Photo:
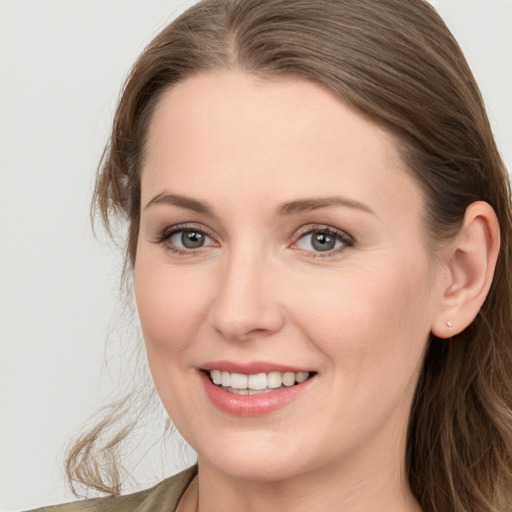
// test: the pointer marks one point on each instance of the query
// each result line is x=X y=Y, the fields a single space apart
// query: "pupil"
x=323 y=242
x=192 y=239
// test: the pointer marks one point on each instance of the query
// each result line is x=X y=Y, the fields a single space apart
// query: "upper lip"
x=250 y=368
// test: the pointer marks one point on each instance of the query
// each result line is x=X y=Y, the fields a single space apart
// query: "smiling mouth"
x=257 y=383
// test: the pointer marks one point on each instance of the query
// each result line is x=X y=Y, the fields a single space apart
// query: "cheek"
x=171 y=306
x=369 y=317
x=372 y=328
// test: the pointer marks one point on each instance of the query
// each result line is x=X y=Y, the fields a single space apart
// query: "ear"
x=470 y=260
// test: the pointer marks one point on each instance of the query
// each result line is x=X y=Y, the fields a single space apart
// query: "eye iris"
x=323 y=241
x=192 y=239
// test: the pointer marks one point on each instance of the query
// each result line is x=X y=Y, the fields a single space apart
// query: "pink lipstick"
x=253 y=389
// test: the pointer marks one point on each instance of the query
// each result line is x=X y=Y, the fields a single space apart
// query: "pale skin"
x=269 y=165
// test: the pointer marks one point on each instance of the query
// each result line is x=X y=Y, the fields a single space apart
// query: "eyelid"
x=165 y=234
x=347 y=239
x=341 y=235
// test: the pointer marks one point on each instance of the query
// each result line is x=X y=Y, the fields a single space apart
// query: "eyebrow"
x=182 y=202
x=308 y=204
x=288 y=208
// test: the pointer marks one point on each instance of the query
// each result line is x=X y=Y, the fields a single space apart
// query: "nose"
x=246 y=305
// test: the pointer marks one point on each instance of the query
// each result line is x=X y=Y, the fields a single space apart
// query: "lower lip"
x=252 y=405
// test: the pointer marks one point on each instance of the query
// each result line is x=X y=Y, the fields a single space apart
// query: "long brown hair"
x=396 y=62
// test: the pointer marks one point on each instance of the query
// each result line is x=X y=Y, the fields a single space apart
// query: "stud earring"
x=449 y=325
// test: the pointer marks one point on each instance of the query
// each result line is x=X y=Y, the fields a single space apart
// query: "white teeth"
x=289 y=379
x=239 y=381
x=256 y=382
x=301 y=377
x=216 y=376
x=226 y=379
x=248 y=391
x=274 y=380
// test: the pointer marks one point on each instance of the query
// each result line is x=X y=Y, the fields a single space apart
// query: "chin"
x=260 y=470
x=264 y=460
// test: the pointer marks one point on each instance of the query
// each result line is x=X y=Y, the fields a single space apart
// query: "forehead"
x=215 y=133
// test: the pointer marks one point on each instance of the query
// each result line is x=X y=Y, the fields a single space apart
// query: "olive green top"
x=163 y=497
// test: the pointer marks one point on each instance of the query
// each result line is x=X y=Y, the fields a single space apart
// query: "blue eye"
x=187 y=239
x=323 y=240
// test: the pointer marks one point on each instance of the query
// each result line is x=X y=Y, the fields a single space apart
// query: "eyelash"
x=340 y=236
x=168 y=232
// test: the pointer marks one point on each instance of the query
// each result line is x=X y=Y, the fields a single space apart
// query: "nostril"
x=245 y=306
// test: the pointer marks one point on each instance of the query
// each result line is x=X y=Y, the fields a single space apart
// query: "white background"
x=62 y=63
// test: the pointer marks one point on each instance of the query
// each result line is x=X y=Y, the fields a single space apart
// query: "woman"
x=319 y=235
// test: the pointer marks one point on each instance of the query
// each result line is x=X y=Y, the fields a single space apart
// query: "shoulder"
x=162 y=497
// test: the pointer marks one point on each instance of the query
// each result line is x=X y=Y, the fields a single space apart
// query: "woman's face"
x=281 y=240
